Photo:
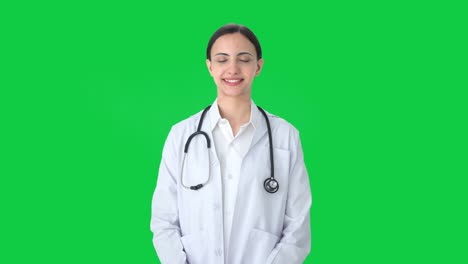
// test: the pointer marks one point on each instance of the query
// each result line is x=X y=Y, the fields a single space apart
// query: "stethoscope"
x=270 y=184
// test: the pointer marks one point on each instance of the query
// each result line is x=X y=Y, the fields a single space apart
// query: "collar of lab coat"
x=256 y=118
x=215 y=116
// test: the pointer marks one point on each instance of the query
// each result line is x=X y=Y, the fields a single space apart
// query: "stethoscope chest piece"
x=271 y=185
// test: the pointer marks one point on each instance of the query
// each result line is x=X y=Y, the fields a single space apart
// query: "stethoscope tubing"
x=270 y=184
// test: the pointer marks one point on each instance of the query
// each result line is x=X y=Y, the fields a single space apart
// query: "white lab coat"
x=267 y=227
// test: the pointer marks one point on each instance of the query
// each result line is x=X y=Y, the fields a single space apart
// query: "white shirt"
x=231 y=150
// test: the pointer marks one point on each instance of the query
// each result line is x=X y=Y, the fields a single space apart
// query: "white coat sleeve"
x=164 y=216
x=295 y=242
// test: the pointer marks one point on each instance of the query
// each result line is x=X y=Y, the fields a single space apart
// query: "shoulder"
x=280 y=124
x=187 y=125
x=286 y=135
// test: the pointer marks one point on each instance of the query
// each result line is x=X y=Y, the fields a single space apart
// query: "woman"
x=237 y=190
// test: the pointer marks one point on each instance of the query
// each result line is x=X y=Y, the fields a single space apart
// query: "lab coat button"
x=216 y=206
x=218 y=252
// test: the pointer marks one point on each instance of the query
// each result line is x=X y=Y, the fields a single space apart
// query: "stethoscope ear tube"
x=196 y=187
x=187 y=144
x=208 y=142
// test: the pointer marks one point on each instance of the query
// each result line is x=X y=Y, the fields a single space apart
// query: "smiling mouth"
x=232 y=82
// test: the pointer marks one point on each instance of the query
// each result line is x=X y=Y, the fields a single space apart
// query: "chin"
x=234 y=92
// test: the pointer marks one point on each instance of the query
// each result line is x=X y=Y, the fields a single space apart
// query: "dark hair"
x=230 y=29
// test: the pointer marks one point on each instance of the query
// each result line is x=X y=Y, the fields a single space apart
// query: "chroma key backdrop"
x=90 y=89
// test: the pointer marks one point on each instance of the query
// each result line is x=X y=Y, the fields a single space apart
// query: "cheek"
x=213 y=73
x=216 y=71
x=252 y=72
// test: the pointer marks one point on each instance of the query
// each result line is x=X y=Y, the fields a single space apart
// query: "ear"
x=259 y=66
x=208 y=65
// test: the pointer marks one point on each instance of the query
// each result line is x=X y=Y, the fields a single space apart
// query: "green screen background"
x=377 y=89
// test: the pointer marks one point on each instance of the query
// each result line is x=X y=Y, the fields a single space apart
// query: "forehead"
x=233 y=43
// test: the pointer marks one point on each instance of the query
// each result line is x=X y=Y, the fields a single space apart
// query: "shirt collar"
x=215 y=116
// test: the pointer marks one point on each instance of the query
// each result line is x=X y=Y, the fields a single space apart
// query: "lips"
x=233 y=81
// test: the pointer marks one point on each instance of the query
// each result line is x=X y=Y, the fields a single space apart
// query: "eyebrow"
x=238 y=54
x=244 y=53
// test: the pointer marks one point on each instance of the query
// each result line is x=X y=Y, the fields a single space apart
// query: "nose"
x=233 y=68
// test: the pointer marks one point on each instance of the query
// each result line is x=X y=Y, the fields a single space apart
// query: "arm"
x=165 y=217
x=295 y=242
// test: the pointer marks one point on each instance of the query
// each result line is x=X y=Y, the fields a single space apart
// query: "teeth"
x=232 y=81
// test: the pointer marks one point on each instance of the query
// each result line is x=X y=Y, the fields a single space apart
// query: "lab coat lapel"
x=208 y=124
x=260 y=125
x=259 y=133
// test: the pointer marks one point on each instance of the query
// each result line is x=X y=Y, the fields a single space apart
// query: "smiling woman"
x=245 y=200
x=235 y=65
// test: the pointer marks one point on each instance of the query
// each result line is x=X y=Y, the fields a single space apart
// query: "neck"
x=235 y=110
